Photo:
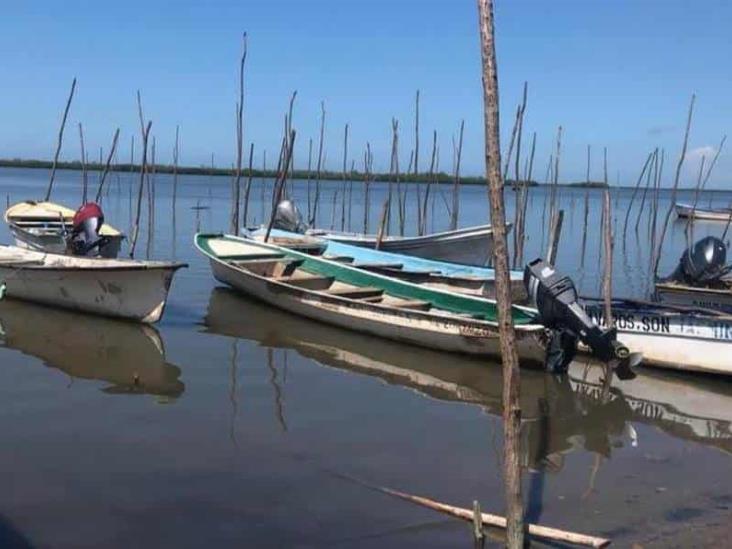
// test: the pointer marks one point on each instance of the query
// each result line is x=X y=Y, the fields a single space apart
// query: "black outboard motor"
x=703 y=264
x=288 y=218
x=85 y=238
x=555 y=297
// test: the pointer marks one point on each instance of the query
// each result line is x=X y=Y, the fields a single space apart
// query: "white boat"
x=129 y=358
x=469 y=245
x=124 y=288
x=670 y=337
x=338 y=294
x=708 y=214
x=698 y=297
x=44 y=226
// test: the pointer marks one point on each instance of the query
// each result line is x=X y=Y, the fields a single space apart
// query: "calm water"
x=233 y=425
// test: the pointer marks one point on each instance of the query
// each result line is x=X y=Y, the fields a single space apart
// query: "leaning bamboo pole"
x=60 y=141
x=343 y=177
x=368 y=160
x=248 y=188
x=289 y=144
x=509 y=355
x=107 y=164
x=649 y=176
x=430 y=182
x=680 y=163
x=586 y=210
x=145 y=132
x=84 y=178
x=316 y=199
x=635 y=192
x=235 y=221
x=456 y=180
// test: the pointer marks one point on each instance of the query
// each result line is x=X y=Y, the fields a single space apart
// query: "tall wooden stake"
x=509 y=354
x=248 y=188
x=84 y=178
x=60 y=140
x=682 y=156
x=344 y=183
x=314 y=217
x=145 y=130
x=456 y=184
x=235 y=221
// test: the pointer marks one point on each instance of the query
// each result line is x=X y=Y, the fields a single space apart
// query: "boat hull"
x=688 y=211
x=424 y=329
x=674 y=340
x=689 y=296
x=471 y=245
x=123 y=289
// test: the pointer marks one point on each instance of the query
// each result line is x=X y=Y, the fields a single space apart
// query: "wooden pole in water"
x=608 y=252
x=382 y=224
x=248 y=188
x=176 y=158
x=367 y=163
x=649 y=176
x=416 y=135
x=84 y=179
x=524 y=193
x=635 y=192
x=313 y=219
x=456 y=184
x=675 y=187
x=145 y=130
x=689 y=229
x=60 y=141
x=509 y=354
x=343 y=177
x=235 y=221
x=556 y=226
x=587 y=209
x=430 y=182
x=110 y=156
x=282 y=180
x=310 y=174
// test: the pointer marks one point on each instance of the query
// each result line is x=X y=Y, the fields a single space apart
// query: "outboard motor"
x=703 y=264
x=85 y=236
x=555 y=297
x=288 y=218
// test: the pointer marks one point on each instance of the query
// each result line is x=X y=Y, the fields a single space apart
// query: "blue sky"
x=616 y=74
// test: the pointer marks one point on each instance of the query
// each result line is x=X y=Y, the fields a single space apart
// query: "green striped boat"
x=298 y=280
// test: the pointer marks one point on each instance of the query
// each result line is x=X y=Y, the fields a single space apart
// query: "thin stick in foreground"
x=235 y=221
x=509 y=354
x=497 y=521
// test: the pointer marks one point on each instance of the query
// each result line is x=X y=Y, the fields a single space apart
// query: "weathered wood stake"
x=60 y=141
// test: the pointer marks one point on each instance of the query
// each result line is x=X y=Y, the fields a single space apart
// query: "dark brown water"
x=235 y=425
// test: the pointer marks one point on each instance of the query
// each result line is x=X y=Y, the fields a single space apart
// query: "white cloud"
x=697 y=153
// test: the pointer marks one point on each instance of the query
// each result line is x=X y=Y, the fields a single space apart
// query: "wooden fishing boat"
x=707 y=214
x=558 y=412
x=371 y=303
x=128 y=357
x=679 y=338
x=427 y=272
x=135 y=290
x=469 y=245
x=44 y=226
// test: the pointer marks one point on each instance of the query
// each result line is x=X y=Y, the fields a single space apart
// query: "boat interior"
x=289 y=265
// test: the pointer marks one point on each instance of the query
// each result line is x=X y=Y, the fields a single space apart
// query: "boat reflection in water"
x=560 y=413
x=130 y=357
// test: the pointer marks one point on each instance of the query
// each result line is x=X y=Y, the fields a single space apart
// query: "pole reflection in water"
x=129 y=357
x=562 y=414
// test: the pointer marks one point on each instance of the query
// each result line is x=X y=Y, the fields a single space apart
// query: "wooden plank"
x=339 y=258
x=310 y=282
x=416 y=304
x=357 y=293
x=378 y=265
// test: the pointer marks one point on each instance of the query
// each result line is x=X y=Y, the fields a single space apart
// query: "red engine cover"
x=88 y=211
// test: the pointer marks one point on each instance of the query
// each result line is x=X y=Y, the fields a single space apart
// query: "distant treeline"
x=440 y=177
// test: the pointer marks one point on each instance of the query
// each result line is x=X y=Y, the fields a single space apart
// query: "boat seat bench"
x=308 y=281
x=357 y=292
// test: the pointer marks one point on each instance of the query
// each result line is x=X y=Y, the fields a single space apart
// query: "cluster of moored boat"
x=410 y=289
